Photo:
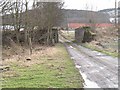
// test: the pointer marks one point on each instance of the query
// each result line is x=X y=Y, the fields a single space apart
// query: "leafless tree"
x=36 y=22
x=53 y=14
x=48 y=15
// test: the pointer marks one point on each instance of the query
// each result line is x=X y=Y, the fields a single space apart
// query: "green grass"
x=69 y=35
x=114 y=54
x=60 y=72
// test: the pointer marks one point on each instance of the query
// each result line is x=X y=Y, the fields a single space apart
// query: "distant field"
x=70 y=35
x=48 y=68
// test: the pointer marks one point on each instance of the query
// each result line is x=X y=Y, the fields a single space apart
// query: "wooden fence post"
x=30 y=45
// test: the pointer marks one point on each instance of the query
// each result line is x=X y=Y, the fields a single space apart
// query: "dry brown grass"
x=19 y=55
x=106 y=33
x=9 y=74
x=48 y=67
x=106 y=40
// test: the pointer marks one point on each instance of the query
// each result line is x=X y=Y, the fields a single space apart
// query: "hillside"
x=111 y=13
x=73 y=16
x=84 y=16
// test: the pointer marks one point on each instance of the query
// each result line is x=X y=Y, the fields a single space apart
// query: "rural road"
x=98 y=70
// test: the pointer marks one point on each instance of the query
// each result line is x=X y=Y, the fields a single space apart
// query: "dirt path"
x=98 y=70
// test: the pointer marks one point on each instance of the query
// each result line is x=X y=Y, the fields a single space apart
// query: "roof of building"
x=78 y=25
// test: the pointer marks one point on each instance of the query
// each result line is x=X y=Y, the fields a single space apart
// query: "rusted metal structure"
x=79 y=34
x=84 y=34
x=55 y=35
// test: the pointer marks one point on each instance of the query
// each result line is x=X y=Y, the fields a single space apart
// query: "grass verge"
x=114 y=54
x=51 y=71
x=106 y=51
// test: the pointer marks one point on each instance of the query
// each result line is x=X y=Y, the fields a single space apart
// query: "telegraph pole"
x=115 y=12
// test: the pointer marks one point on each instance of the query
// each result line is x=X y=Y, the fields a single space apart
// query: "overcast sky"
x=94 y=5
x=89 y=4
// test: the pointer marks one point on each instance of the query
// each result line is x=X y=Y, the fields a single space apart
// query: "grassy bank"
x=109 y=48
x=51 y=68
x=114 y=54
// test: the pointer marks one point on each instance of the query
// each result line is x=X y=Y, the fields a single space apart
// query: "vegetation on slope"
x=48 y=68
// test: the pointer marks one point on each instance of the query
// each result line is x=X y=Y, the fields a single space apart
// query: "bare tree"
x=6 y=9
x=48 y=15
x=53 y=14
x=42 y=17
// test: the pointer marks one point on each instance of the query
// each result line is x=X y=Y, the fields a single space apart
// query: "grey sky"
x=90 y=4
x=87 y=4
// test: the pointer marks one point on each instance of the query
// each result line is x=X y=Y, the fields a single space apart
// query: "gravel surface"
x=98 y=70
